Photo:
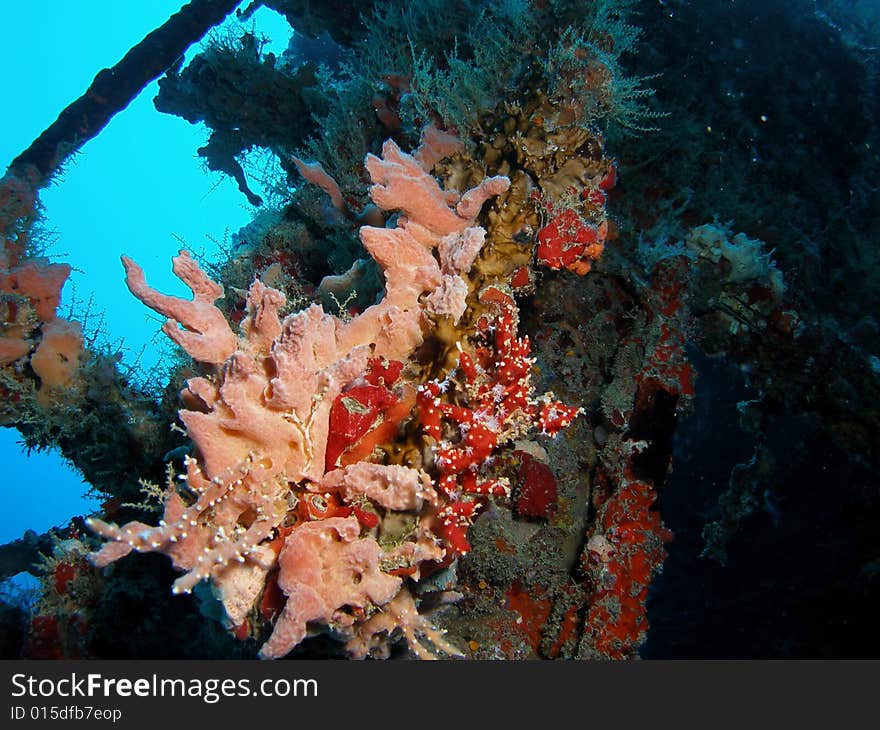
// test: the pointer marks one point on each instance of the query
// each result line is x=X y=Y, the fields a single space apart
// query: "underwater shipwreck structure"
x=427 y=403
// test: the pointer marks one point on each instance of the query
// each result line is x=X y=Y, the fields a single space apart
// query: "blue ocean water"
x=137 y=189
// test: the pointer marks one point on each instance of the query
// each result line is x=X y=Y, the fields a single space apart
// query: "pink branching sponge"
x=272 y=495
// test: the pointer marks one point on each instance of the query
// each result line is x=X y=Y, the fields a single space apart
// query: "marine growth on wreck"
x=520 y=359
